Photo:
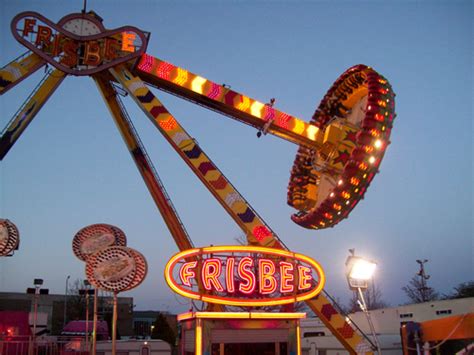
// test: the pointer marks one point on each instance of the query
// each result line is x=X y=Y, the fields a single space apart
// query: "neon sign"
x=78 y=44
x=244 y=275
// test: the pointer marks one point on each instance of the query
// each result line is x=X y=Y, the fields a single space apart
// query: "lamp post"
x=423 y=278
x=94 y=325
x=65 y=301
x=36 y=291
x=358 y=272
x=87 y=291
x=37 y=283
x=114 y=324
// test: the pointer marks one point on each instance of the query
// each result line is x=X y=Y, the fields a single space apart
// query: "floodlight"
x=359 y=271
x=362 y=269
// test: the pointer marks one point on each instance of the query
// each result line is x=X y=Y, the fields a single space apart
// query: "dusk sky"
x=70 y=167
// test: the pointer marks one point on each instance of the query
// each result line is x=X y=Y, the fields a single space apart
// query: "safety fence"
x=23 y=345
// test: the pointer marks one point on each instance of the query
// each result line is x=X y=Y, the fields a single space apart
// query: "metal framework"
x=340 y=149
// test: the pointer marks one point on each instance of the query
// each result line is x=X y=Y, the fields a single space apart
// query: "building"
x=143 y=322
x=50 y=312
x=317 y=339
x=135 y=347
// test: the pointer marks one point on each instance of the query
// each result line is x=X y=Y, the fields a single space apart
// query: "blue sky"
x=70 y=167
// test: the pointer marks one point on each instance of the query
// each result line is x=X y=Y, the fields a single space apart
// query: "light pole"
x=87 y=291
x=114 y=325
x=358 y=272
x=36 y=291
x=65 y=301
x=37 y=283
x=94 y=325
x=423 y=278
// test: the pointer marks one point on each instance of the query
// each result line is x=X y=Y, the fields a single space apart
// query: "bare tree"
x=419 y=293
x=76 y=302
x=463 y=290
x=353 y=305
x=417 y=289
x=373 y=299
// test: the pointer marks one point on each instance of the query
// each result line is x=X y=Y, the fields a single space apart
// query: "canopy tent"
x=81 y=327
x=452 y=328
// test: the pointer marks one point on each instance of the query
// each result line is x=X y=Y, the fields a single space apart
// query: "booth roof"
x=79 y=327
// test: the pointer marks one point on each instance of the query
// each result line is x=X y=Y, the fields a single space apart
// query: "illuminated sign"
x=78 y=44
x=244 y=275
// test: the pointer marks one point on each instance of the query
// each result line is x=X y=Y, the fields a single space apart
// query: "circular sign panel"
x=9 y=237
x=141 y=269
x=111 y=269
x=96 y=237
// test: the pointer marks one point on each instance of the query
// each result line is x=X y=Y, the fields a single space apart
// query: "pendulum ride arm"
x=18 y=69
x=146 y=168
x=180 y=82
x=144 y=165
x=29 y=109
x=256 y=229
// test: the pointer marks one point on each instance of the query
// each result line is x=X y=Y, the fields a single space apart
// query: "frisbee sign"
x=244 y=275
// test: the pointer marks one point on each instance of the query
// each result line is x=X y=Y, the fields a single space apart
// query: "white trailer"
x=134 y=347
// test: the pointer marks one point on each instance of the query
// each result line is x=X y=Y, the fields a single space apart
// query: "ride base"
x=236 y=333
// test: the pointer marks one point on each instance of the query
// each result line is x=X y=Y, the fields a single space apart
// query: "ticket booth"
x=242 y=276
x=239 y=333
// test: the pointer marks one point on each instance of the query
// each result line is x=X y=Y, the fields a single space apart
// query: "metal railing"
x=51 y=345
x=26 y=102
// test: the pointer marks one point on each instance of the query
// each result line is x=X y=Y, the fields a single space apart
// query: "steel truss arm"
x=146 y=168
x=29 y=109
x=18 y=69
x=222 y=99
x=239 y=209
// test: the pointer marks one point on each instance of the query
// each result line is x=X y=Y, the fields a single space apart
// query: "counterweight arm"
x=222 y=99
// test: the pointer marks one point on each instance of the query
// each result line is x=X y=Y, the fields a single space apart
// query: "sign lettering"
x=78 y=44
x=244 y=275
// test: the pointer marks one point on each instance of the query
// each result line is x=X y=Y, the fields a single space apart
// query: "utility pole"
x=423 y=278
x=65 y=302
x=36 y=292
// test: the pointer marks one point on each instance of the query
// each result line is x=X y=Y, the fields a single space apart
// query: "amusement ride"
x=340 y=148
